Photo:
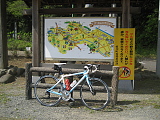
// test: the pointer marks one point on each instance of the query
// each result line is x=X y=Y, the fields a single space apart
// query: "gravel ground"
x=13 y=105
x=129 y=107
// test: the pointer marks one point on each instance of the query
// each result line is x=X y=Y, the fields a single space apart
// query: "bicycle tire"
x=41 y=94
x=101 y=96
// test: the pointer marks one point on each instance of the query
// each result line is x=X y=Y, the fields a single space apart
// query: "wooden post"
x=3 y=36
x=125 y=13
x=158 y=47
x=42 y=39
x=36 y=33
x=28 y=76
x=114 y=85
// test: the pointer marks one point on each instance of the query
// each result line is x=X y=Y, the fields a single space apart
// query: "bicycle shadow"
x=78 y=104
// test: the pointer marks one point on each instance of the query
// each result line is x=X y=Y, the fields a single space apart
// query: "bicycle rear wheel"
x=42 y=95
x=99 y=98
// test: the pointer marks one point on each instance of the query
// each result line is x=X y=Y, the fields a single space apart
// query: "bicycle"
x=94 y=93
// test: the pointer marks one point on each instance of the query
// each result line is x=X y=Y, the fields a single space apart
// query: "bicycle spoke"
x=99 y=98
x=42 y=95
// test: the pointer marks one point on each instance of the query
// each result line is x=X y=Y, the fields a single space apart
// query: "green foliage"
x=21 y=35
x=16 y=7
x=146 y=53
x=147 y=37
x=15 y=17
x=146 y=25
x=15 y=44
x=23 y=40
x=25 y=36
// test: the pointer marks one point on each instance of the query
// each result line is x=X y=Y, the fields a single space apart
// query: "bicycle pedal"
x=47 y=93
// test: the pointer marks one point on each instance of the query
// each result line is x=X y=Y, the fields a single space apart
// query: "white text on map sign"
x=84 y=38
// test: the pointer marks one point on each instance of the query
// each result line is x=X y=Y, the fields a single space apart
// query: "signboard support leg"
x=126 y=85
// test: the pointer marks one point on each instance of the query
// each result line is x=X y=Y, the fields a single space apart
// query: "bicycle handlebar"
x=92 y=68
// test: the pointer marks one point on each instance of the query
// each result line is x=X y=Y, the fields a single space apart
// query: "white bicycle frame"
x=85 y=76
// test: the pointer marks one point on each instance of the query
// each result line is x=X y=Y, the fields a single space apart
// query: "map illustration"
x=69 y=36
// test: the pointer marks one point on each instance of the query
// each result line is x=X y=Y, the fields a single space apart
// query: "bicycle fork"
x=90 y=86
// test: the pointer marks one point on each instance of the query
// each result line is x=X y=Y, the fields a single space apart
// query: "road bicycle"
x=94 y=93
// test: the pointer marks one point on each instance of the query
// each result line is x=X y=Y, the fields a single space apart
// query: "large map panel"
x=79 y=38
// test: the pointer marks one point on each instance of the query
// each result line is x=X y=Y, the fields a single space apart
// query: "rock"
x=10 y=66
x=13 y=70
x=139 y=65
x=20 y=71
x=2 y=72
x=7 y=78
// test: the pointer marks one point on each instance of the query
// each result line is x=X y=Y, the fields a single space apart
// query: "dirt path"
x=130 y=107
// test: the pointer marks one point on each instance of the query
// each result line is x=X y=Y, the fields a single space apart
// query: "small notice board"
x=124 y=52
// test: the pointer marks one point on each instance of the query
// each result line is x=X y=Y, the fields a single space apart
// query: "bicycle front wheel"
x=42 y=95
x=97 y=97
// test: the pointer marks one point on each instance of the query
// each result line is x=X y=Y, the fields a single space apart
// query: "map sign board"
x=80 y=38
x=124 y=49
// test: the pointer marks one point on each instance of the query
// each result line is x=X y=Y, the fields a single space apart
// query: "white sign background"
x=52 y=52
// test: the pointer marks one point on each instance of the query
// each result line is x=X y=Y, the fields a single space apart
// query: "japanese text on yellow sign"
x=124 y=52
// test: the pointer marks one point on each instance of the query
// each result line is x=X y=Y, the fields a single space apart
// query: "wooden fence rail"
x=114 y=82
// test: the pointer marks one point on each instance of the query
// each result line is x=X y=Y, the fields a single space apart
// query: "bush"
x=20 y=41
x=20 y=36
x=146 y=34
x=25 y=36
x=14 y=44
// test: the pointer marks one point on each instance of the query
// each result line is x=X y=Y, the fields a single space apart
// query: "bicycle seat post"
x=57 y=66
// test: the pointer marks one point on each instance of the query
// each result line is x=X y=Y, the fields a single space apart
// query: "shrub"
x=14 y=44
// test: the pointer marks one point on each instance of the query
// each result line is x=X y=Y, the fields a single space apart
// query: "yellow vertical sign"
x=124 y=52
